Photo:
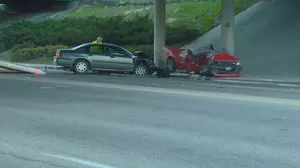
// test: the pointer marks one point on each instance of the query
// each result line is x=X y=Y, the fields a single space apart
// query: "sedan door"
x=98 y=60
x=120 y=59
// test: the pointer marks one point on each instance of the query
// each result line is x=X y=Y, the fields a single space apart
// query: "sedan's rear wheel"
x=141 y=70
x=81 y=66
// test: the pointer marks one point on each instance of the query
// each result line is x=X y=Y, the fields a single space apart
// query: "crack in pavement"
x=32 y=160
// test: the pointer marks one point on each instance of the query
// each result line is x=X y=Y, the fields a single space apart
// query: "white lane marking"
x=238 y=97
x=288 y=85
x=254 y=82
x=236 y=81
x=268 y=80
x=79 y=161
x=62 y=86
x=5 y=144
x=208 y=94
x=46 y=87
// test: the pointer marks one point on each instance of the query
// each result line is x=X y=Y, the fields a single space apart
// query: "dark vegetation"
x=29 y=6
x=33 y=40
x=44 y=37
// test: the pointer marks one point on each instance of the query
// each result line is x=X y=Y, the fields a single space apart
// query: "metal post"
x=159 y=32
x=46 y=68
x=227 y=25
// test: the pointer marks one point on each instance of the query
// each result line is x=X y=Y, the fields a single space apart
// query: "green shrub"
x=3 y=43
x=25 y=54
x=74 y=31
x=147 y=49
x=23 y=45
x=2 y=46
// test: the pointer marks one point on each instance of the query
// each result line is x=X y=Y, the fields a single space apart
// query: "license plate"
x=228 y=68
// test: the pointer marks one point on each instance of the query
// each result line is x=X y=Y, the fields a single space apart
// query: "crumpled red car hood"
x=224 y=57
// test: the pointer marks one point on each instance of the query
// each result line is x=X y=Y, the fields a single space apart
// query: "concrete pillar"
x=227 y=25
x=159 y=32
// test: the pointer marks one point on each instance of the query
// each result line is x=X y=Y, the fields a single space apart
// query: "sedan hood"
x=140 y=54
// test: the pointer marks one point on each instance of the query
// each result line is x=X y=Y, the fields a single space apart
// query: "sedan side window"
x=115 y=51
x=96 y=49
x=82 y=49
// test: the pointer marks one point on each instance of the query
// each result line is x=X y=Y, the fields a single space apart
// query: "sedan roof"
x=87 y=44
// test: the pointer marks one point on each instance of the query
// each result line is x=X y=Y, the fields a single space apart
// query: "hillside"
x=204 y=16
x=266 y=39
x=205 y=13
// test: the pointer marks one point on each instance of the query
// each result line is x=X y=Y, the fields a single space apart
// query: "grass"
x=98 y=10
x=196 y=15
x=42 y=60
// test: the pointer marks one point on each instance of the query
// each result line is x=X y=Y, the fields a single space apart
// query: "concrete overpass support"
x=227 y=29
x=159 y=32
x=227 y=25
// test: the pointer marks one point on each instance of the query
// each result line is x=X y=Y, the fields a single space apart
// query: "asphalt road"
x=55 y=122
x=288 y=90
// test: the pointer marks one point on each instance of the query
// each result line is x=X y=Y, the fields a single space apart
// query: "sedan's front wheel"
x=171 y=65
x=141 y=70
x=81 y=66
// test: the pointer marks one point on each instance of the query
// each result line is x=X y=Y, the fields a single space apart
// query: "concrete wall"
x=267 y=38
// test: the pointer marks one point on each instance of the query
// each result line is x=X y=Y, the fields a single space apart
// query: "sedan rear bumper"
x=62 y=62
x=223 y=71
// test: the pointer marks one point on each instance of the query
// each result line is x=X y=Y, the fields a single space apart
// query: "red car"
x=209 y=62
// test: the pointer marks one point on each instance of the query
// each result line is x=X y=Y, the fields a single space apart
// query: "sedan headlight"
x=238 y=63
